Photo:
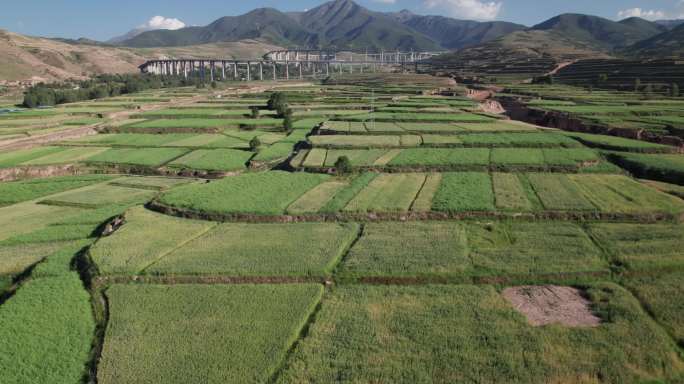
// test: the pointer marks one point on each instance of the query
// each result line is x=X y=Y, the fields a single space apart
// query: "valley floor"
x=458 y=246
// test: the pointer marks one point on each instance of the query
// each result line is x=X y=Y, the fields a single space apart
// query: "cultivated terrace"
x=361 y=229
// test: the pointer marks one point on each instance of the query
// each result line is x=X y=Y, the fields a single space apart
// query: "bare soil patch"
x=552 y=304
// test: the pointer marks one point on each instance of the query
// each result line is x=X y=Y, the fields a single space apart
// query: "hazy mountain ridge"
x=667 y=44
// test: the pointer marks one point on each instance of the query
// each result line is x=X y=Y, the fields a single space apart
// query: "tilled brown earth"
x=552 y=304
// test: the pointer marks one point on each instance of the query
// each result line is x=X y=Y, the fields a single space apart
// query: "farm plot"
x=357 y=157
x=27 y=217
x=614 y=143
x=459 y=252
x=145 y=238
x=408 y=334
x=526 y=140
x=442 y=157
x=18 y=191
x=526 y=250
x=293 y=250
x=559 y=193
x=166 y=333
x=149 y=182
x=318 y=197
x=151 y=157
x=273 y=153
x=344 y=196
x=16 y=158
x=385 y=127
x=420 y=117
x=268 y=193
x=131 y=139
x=52 y=233
x=411 y=249
x=510 y=193
x=198 y=125
x=497 y=127
x=194 y=113
x=667 y=168
x=423 y=202
x=364 y=141
x=99 y=195
x=70 y=155
x=640 y=246
x=208 y=141
x=213 y=160
x=46 y=330
x=661 y=295
x=466 y=191
x=14 y=259
x=388 y=193
x=620 y=194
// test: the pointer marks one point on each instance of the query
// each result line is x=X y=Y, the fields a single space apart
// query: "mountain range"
x=343 y=24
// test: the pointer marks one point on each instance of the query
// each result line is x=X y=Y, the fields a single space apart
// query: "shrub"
x=254 y=144
x=255 y=111
x=287 y=123
x=343 y=166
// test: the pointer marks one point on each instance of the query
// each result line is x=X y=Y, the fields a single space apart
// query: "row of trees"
x=279 y=102
x=98 y=87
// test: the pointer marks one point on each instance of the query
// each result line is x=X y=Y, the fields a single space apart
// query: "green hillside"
x=667 y=44
x=455 y=34
x=265 y=23
x=599 y=32
x=340 y=23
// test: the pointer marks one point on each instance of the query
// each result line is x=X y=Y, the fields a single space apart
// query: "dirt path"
x=559 y=67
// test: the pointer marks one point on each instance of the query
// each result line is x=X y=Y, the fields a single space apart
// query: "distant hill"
x=455 y=34
x=598 y=32
x=670 y=24
x=530 y=52
x=265 y=24
x=666 y=44
x=345 y=24
x=340 y=23
x=41 y=59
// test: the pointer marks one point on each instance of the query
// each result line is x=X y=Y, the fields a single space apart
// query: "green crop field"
x=468 y=191
x=306 y=249
x=183 y=239
x=412 y=331
x=141 y=243
x=152 y=157
x=47 y=330
x=18 y=191
x=267 y=193
x=213 y=160
x=155 y=322
x=388 y=192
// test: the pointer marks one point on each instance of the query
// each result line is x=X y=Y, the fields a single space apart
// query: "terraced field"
x=414 y=239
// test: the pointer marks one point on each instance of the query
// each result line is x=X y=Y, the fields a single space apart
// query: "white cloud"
x=161 y=22
x=648 y=14
x=386 y=1
x=468 y=9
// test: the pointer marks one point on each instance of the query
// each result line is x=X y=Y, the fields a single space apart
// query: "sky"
x=104 y=19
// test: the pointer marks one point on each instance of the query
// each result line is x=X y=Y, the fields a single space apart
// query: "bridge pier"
x=313 y=63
